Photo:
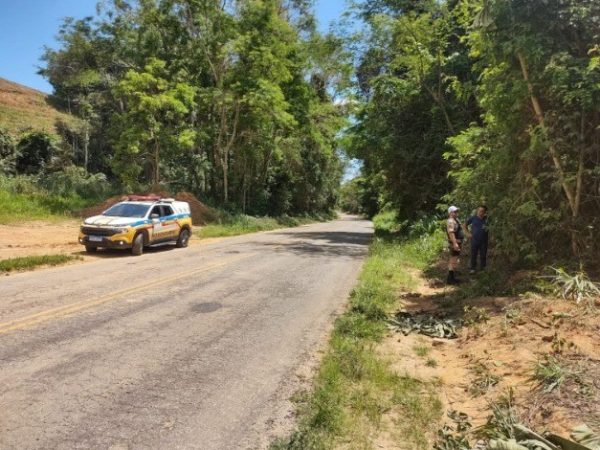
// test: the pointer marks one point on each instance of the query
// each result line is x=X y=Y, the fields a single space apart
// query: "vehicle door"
x=156 y=232
x=169 y=223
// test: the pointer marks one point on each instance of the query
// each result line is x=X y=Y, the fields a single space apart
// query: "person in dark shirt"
x=477 y=229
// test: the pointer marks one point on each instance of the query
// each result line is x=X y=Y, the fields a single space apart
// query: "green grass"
x=243 y=224
x=30 y=262
x=18 y=207
x=50 y=197
x=386 y=223
x=355 y=385
x=421 y=350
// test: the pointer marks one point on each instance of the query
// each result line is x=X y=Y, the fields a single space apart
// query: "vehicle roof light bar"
x=148 y=198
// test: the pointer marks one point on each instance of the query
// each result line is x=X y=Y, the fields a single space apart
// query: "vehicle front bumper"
x=106 y=242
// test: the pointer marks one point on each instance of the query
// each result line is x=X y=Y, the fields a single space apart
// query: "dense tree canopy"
x=443 y=101
x=232 y=100
x=491 y=101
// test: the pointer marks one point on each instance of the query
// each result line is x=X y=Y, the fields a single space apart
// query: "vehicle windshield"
x=126 y=210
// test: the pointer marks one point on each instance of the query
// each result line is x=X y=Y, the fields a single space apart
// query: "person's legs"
x=474 y=250
x=483 y=254
x=452 y=265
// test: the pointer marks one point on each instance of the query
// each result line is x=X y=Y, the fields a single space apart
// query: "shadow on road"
x=105 y=253
x=324 y=243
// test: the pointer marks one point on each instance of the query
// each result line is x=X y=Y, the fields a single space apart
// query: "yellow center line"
x=61 y=311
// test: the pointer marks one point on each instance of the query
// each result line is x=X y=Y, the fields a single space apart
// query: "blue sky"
x=26 y=26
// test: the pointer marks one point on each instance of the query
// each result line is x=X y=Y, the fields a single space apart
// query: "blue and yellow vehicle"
x=137 y=223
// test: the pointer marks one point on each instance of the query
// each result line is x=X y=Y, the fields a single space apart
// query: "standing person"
x=455 y=237
x=478 y=233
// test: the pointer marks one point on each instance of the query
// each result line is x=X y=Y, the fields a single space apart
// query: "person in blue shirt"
x=477 y=229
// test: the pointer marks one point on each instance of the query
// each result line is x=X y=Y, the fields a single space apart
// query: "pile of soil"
x=98 y=209
x=201 y=214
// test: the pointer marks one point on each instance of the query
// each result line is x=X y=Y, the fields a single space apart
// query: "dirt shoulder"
x=45 y=238
x=541 y=352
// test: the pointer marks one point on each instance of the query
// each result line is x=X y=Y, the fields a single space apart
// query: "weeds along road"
x=179 y=348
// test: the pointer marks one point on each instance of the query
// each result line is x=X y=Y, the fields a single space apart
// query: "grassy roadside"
x=22 y=207
x=355 y=385
x=243 y=224
x=31 y=262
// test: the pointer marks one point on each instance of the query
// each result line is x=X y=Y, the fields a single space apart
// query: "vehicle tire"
x=137 y=248
x=90 y=249
x=184 y=238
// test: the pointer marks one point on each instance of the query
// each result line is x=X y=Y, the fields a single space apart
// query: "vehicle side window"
x=167 y=210
x=155 y=210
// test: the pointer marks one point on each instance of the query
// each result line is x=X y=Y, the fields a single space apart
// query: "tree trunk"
x=539 y=114
x=86 y=145
x=156 y=177
x=573 y=197
x=225 y=166
x=440 y=102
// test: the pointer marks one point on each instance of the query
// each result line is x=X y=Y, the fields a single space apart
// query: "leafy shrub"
x=76 y=180
x=386 y=222
x=34 y=150
x=575 y=287
x=8 y=148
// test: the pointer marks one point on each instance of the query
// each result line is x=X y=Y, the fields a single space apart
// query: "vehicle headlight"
x=121 y=230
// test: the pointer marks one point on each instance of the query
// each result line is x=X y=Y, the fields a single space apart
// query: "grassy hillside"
x=22 y=107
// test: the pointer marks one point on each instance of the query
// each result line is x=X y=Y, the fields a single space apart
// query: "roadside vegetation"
x=31 y=262
x=483 y=101
x=356 y=385
x=52 y=196
x=513 y=352
x=233 y=225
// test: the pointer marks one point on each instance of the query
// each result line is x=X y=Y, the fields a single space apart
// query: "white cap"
x=452 y=209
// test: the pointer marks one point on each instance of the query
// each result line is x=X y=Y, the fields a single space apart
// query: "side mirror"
x=154 y=216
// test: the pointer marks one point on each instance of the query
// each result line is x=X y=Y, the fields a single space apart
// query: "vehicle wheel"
x=90 y=249
x=184 y=238
x=138 y=245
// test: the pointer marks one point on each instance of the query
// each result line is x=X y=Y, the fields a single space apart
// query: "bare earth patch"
x=45 y=238
x=500 y=351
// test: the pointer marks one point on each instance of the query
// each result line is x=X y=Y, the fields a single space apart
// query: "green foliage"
x=454 y=437
x=415 y=83
x=483 y=101
x=577 y=287
x=421 y=350
x=534 y=168
x=355 y=385
x=551 y=373
x=75 y=180
x=243 y=224
x=349 y=197
x=52 y=196
x=8 y=148
x=152 y=123
x=386 y=223
x=30 y=262
x=229 y=100
x=34 y=150
x=483 y=379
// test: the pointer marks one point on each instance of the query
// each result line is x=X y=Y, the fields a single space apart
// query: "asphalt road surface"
x=196 y=348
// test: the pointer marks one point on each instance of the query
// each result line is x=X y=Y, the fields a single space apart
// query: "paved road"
x=195 y=348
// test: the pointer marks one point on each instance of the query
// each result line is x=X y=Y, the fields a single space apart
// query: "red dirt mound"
x=98 y=209
x=201 y=214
